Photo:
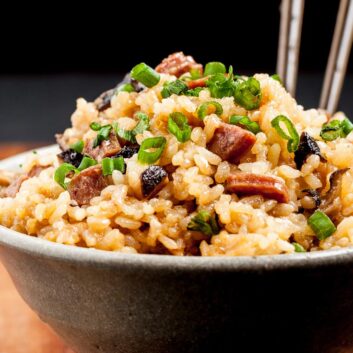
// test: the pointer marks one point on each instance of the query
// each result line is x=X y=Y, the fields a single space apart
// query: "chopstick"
x=289 y=42
x=338 y=58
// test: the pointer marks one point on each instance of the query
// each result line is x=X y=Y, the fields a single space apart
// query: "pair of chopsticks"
x=289 y=45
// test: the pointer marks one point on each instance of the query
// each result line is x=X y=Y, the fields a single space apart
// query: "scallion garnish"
x=103 y=134
x=178 y=125
x=77 y=146
x=125 y=87
x=194 y=92
x=245 y=122
x=95 y=126
x=335 y=129
x=156 y=144
x=175 y=87
x=130 y=135
x=203 y=222
x=321 y=224
x=277 y=78
x=214 y=67
x=86 y=163
x=298 y=247
x=111 y=164
x=292 y=135
x=61 y=173
x=247 y=93
x=145 y=74
x=208 y=108
x=220 y=85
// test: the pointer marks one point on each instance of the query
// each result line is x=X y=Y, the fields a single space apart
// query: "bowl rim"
x=101 y=258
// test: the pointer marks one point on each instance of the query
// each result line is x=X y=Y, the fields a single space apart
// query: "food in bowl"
x=187 y=159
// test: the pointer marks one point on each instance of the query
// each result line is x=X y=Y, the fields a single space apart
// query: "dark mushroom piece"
x=71 y=156
x=153 y=179
x=128 y=151
x=331 y=203
x=307 y=147
x=103 y=101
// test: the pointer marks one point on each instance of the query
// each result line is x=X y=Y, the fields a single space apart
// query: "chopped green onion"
x=130 y=135
x=248 y=93
x=214 y=67
x=125 y=87
x=245 y=123
x=103 y=134
x=347 y=126
x=298 y=247
x=277 y=78
x=157 y=144
x=124 y=134
x=142 y=125
x=111 y=164
x=292 y=136
x=335 y=129
x=203 y=222
x=86 y=163
x=220 y=85
x=34 y=152
x=95 y=126
x=61 y=173
x=321 y=224
x=331 y=131
x=208 y=108
x=77 y=146
x=178 y=125
x=175 y=87
x=194 y=92
x=145 y=74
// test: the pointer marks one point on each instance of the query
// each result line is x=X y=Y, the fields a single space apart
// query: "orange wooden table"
x=21 y=331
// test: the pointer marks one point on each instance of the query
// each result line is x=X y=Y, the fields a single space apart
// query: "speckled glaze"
x=114 y=303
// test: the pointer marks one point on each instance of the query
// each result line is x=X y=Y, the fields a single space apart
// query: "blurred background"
x=58 y=54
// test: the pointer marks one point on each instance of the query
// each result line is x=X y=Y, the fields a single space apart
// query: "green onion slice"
x=130 y=135
x=194 y=92
x=208 y=108
x=298 y=247
x=321 y=224
x=247 y=93
x=214 y=67
x=61 y=173
x=220 y=85
x=276 y=77
x=203 y=222
x=175 y=87
x=178 y=125
x=156 y=144
x=86 y=163
x=111 y=164
x=142 y=125
x=245 y=122
x=292 y=136
x=95 y=126
x=335 y=129
x=125 y=87
x=77 y=146
x=103 y=134
x=145 y=74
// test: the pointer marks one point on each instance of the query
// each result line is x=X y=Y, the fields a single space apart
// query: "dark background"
x=56 y=54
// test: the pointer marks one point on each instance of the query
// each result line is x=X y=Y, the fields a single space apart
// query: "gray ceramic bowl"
x=108 y=302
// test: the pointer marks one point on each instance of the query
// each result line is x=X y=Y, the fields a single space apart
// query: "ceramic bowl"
x=100 y=301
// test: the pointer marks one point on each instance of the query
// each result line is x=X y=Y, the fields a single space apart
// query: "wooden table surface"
x=21 y=331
